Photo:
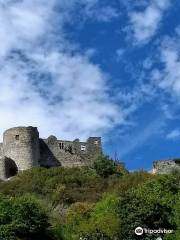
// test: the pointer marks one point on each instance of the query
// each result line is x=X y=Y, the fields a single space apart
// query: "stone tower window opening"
x=83 y=148
x=61 y=145
x=17 y=137
x=96 y=142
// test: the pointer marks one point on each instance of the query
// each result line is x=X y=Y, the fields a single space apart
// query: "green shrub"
x=93 y=221
x=128 y=181
x=104 y=166
x=149 y=205
x=21 y=217
x=57 y=185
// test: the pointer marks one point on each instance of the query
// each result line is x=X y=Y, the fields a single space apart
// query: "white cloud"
x=144 y=24
x=22 y=23
x=45 y=85
x=171 y=80
x=165 y=75
x=173 y=134
x=105 y=14
x=97 y=10
x=168 y=77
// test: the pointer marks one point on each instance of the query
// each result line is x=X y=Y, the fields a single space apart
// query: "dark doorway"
x=10 y=168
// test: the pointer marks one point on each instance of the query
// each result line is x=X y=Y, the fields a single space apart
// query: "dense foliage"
x=150 y=206
x=21 y=218
x=104 y=166
x=100 y=203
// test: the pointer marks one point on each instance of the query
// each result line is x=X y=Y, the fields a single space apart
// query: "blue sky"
x=94 y=68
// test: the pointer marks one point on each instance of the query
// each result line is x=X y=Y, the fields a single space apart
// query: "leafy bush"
x=150 y=206
x=128 y=181
x=57 y=185
x=77 y=219
x=175 y=220
x=104 y=166
x=93 y=221
x=21 y=217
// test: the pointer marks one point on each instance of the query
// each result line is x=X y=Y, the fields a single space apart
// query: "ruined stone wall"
x=94 y=147
x=55 y=152
x=1 y=149
x=22 y=149
x=2 y=163
x=21 y=144
x=2 y=168
x=166 y=166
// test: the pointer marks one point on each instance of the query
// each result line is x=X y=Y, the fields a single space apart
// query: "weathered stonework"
x=23 y=149
x=166 y=166
x=21 y=144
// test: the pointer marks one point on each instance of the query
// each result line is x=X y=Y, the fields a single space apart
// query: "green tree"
x=21 y=218
x=104 y=166
x=104 y=219
x=77 y=220
x=175 y=220
x=177 y=217
x=93 y=221
x=150 y=205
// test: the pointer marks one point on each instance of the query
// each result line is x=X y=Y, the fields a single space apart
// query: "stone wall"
x=166 y=166
x=55 y=152
x=2 y=168
x=1 y=149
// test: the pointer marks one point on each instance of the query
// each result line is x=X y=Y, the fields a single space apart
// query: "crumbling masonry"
x=22 y=149
x=166 y=166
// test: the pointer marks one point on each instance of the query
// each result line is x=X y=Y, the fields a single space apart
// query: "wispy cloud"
x=42 y=82
x=101 y=13
x=174 y=134
x=161 y=73
x=145 y=23
x=134 y=142
x=168 y=78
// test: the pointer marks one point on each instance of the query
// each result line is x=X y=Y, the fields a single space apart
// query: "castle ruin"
x=166 y=166
x=22 y=149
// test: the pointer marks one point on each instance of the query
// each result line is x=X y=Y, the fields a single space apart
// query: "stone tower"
x=21 y=148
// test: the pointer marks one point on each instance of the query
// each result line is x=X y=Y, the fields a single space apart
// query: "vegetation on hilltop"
x=104 y=202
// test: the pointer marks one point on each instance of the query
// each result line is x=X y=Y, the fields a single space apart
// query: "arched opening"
x=10 y=168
